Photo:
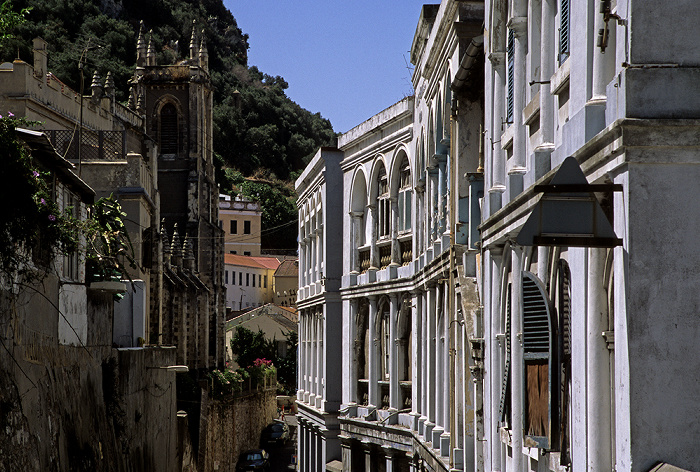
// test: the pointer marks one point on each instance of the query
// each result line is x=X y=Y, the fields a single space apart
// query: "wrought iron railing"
x=96 y=145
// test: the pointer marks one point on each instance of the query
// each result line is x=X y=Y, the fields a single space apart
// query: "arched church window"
x=168 y=129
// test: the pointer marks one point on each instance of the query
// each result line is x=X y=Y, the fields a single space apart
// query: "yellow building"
x=240 y=218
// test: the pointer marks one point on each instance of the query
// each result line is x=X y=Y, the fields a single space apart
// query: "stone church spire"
x=203 y=54
x=141 y=47
x=193 y=42
x=151 y=54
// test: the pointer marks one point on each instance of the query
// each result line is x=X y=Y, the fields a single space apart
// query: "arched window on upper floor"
x=383 y=205
x=168 y=139
x=405 y=196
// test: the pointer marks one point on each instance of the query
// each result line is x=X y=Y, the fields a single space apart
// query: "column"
x=319 y=358
x=321 y=432
x=430 y=378
x=498 y=160
x=423 y=375
x=373 y=252
x=313 y=267
x=434 y=218
x=367 y=449
x=519 y=26
x=598 y=362
x=389 y=456
x=346 y=453
x=416 y=341
x=438 y=349
x=319 y=254
x=354 y=348
x=493 y=360
x=300 y=358
x=300 y=443
x=395 y=248
x=302 y=262
x=313 y=341
x=394 y=393
x=598 y=66
x=517 y=366
x=307 y=360
x=442 y=194
x=312 y=448
x=372 y=354
x=446 y=386
x=548 y=44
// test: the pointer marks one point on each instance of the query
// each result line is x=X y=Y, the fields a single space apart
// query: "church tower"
x=177 y=102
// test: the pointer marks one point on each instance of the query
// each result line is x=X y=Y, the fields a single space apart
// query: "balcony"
x=96 y=145
x=364 y=259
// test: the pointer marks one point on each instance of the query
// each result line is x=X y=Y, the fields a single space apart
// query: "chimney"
x=40 y=58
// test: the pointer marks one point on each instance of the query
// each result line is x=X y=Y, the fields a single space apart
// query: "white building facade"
x=319 y=308
x=588 y=349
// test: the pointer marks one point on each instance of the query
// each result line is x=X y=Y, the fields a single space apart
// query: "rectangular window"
x=226 y=278
x=234 y=227
x=233 y=278
x=246 y=227
x=253 y=280
x=247 y=280
x=259 y=280
x=240 y=278
x=265 y=281
x=246 y=253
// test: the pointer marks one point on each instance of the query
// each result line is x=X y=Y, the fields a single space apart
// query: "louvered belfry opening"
x=168 y=129
x=537 y=356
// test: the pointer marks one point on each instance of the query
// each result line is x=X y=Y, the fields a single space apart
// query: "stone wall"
x=232 y=426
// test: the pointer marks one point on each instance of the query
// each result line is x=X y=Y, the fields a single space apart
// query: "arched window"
x=405 y=196
x=383 y=205
x=168 y=129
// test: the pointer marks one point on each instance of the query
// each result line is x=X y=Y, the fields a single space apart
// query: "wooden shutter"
x=537 y=357
x=564 y=335
x=504 y=408
x=563 y=31
x=510 y=79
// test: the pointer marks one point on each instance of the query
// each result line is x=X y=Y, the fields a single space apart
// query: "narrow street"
x=282 y=458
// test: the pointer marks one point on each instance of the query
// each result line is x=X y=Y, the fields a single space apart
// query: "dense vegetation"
x=258 y=130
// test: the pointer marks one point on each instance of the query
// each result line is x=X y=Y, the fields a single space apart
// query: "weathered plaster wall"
x=233 y=426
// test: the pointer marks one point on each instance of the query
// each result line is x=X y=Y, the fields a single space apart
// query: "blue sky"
x=344 y=59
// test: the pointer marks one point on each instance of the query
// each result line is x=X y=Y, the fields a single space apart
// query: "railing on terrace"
x=384 y=254
x=406 y=248
x=406 y=390
x=363 y=392
x=364 y=260
x=96 y=145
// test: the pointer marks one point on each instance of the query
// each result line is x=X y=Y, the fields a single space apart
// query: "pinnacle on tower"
x=131 y=104
x=141 y=47
x=96 y=86
x=203 y=54
x=164 y=236
x=193 y=42
x=109 y=84
x=151 y=54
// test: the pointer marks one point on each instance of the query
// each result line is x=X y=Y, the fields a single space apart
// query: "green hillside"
x=258 y=131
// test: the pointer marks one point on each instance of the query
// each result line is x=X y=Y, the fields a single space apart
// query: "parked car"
x=275 y=434
x=253 y=460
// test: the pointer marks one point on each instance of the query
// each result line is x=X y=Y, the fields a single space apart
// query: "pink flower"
x=10 y=114
x=52 y=218
x=43 y=202
x=35 y=173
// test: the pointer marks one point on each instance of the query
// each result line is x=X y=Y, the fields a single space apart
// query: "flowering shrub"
x=228 y=381
x=31 y=222
x=33 y=229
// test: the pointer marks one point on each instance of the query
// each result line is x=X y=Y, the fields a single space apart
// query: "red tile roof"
x=259 y=262
x=288 y=268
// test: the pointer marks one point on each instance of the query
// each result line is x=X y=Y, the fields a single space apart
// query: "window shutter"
x=504 y=409
x=564 y=309
x=168 y=129
x=537 y=357
x=564 y=31
x=511 y=72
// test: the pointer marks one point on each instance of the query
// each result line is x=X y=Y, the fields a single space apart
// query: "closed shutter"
x=504 y=408
x=537 y=357
x=563 y=31
x=511 y=72
x=564 y=310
